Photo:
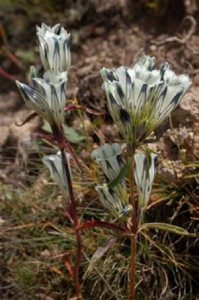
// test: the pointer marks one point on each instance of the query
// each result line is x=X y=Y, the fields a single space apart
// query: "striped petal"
x=54 y=48
x=140 y=98
x=111 y=199
x=55 y=165
x=145 y=168
x=52 y=87
x=109 y=158
x=36 y=101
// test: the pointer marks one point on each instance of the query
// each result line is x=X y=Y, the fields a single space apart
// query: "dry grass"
x=36 y=238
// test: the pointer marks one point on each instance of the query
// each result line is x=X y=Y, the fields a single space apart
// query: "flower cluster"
x=140 y=98
x=47 y=94
x=115 y=199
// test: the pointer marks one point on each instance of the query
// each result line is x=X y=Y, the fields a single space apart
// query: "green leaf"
x=164 y=226
x=71 y=134
x=121 y=175
x=27 y=56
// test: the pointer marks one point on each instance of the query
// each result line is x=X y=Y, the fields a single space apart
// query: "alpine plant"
x=139 y=99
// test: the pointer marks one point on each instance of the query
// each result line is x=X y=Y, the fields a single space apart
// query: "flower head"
x=55 y=164
x=54 y=48
x=145 y=169
x=46 y=96
x=140 y=98
x=115 y=199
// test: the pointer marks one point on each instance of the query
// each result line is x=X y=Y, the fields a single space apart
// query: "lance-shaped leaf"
x=54 y=48
x=55 y=164
x=164 y=226
x=145 y=168
x=120 y=177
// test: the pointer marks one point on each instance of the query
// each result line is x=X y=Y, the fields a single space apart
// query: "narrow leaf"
x=121 y=174
x=29 y=118
x=98 y=255
x=167 y=227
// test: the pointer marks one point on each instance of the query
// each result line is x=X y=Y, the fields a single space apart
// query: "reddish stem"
x=6 y=74
x=72 y=210
x=91 y=224
x=75 y=224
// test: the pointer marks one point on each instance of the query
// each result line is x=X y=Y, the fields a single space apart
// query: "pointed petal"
x=35 y=101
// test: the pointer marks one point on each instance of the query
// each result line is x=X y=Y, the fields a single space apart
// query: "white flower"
x=145 y=169
x=47 y=96
x=114 y=200
x=109 y=158
x=54 y=48
x=140 y=98
x=55 y=164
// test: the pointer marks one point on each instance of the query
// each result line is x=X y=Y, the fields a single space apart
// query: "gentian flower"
x=145 y=169
x=55 y=165
x=46 y=96
x=54 y=48
x=116 y=199
x=110 y=160
x=140 y=98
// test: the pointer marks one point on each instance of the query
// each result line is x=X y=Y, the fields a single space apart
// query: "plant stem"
x=59 y=137
x=76 y=224
x=133 y=230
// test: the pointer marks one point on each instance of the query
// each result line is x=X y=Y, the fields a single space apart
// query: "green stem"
x=133 y=231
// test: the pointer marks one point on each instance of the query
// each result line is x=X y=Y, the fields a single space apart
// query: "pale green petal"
x=55 y=165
